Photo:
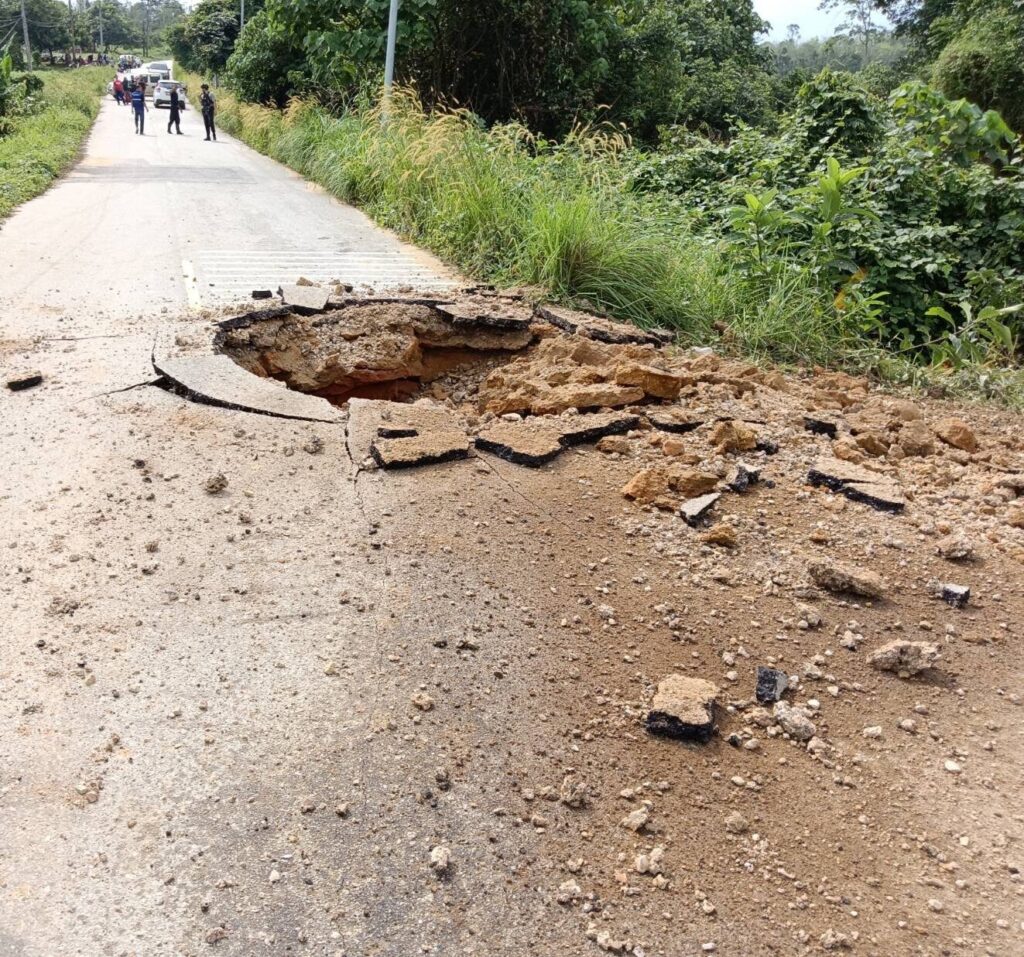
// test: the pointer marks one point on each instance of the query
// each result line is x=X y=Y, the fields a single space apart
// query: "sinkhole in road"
x=394 y=349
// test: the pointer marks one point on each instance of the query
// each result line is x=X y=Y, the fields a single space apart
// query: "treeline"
x=57 y=28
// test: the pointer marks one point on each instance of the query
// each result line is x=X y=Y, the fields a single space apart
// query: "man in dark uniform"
x=206 y=101
x=139 y=109
x=175 y=119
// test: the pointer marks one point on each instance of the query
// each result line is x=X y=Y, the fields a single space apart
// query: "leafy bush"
x=985 y=63
x=913 y=205
x=266 y=66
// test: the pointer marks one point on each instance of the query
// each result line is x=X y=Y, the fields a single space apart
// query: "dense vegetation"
x=657 y=161
x=45 y=119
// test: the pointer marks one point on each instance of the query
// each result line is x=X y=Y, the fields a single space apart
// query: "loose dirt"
x=345 y=708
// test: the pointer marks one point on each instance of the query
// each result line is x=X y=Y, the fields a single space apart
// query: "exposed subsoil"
x=413 y=683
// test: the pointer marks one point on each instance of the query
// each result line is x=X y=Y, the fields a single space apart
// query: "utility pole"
x=99 y=13
x=389 y=58
x=241 y=22
x=27 y=45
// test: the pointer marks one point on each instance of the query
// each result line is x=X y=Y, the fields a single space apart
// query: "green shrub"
x=985 y=63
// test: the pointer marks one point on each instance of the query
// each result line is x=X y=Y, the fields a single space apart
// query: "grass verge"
x=46 y=140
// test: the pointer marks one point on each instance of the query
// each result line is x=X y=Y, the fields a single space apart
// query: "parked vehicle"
x=159 y=66
x=162 y=93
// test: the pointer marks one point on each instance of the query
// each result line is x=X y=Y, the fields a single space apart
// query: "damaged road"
x=263 y=696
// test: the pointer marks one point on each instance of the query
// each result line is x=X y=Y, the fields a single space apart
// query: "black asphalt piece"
x=956 y=595
x=541 y=451
x=695 y=509
x=414 y=451
x=767 y=446
x=398 y=433
x=743 y=477
x=669 y=726
x=877 y=494
x=771 y=684
x=821 y=427
x=24 y=380
x=262 y=294
x=665 y=422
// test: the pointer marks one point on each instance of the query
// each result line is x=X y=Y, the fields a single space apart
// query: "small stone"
x=636 y=820
x=314 y=446
x=956 y=596
x=953 y=767
x=796 y=722
x=874 y=731
x=934 y=904
x=905 y=658
x=916 y=438
x=422 y=701
x=694 y=509
x=733 y=436
x=833 y=940
x=569 y=892
x=683 y=708
x=440 y=859
x=723 y=535
x=955 y=548
x=771 y=684
x=742 y=477
x=957 y=433
x=736 y=823
x=836 y=577
x=275 y=876
x=331 y=670
x=215 y=484
x=216 y=934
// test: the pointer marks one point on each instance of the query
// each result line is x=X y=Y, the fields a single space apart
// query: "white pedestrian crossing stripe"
x=227 y=275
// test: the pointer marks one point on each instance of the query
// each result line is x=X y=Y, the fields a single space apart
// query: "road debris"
x=905 y=658
x=683 y=707
x=24 y=380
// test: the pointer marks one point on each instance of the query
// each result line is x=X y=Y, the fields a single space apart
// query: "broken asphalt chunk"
x=694 y=509
x=742 y=477
x=672 y=421
x=857 y=484
x=538 y=440
x=771 y=684
x=429 y=449
x=956 y=596
x=304 y=299
x=683 y=708
x=820 y=426
x=262 y=294
x=24 y=380
x=484 y=315
x=599 y=328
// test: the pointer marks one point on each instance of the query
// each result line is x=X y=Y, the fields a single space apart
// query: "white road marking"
x=230 y=274
x=192 y=295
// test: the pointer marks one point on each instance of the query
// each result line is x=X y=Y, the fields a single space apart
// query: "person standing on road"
x=119 y=91
x=175 y=119
x=208 y=104
x=139 y=109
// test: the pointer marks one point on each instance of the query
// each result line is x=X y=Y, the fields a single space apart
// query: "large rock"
x=835 y=577
x=905 y=658
x=683 y=708
x=956 y=432
x=733 y=436
x=655 y=382
x=916 y=438
x=664 y=485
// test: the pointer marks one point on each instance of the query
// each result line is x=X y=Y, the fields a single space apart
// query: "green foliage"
x=204 y=39
x=985 y=63
x=266 y=66
x=44 y=140
x=907 y=206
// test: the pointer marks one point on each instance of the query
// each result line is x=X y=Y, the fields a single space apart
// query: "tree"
x=266 y=65
x=47 y=23
x=205 y=38
x=860 y=24
x=118 y=28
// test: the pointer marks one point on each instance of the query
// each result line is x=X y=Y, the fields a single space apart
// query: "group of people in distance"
x=129 y=91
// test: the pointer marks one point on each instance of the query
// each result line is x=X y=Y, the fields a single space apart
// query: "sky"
x=812 y=21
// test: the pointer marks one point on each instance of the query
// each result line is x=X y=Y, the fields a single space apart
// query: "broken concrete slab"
x=600 y=328
x=771 y=684
x=428 y=449
x=836 y=577
x=857 y=484
x=216 y=380
x=24 y=380
x=304 y=299
x=905 y=658
x=683 y=708
x=487 y=313
x=538 y=440
x=694 y=509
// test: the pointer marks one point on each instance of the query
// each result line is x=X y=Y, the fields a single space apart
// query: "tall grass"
x=45 y=142
x=509 y=210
